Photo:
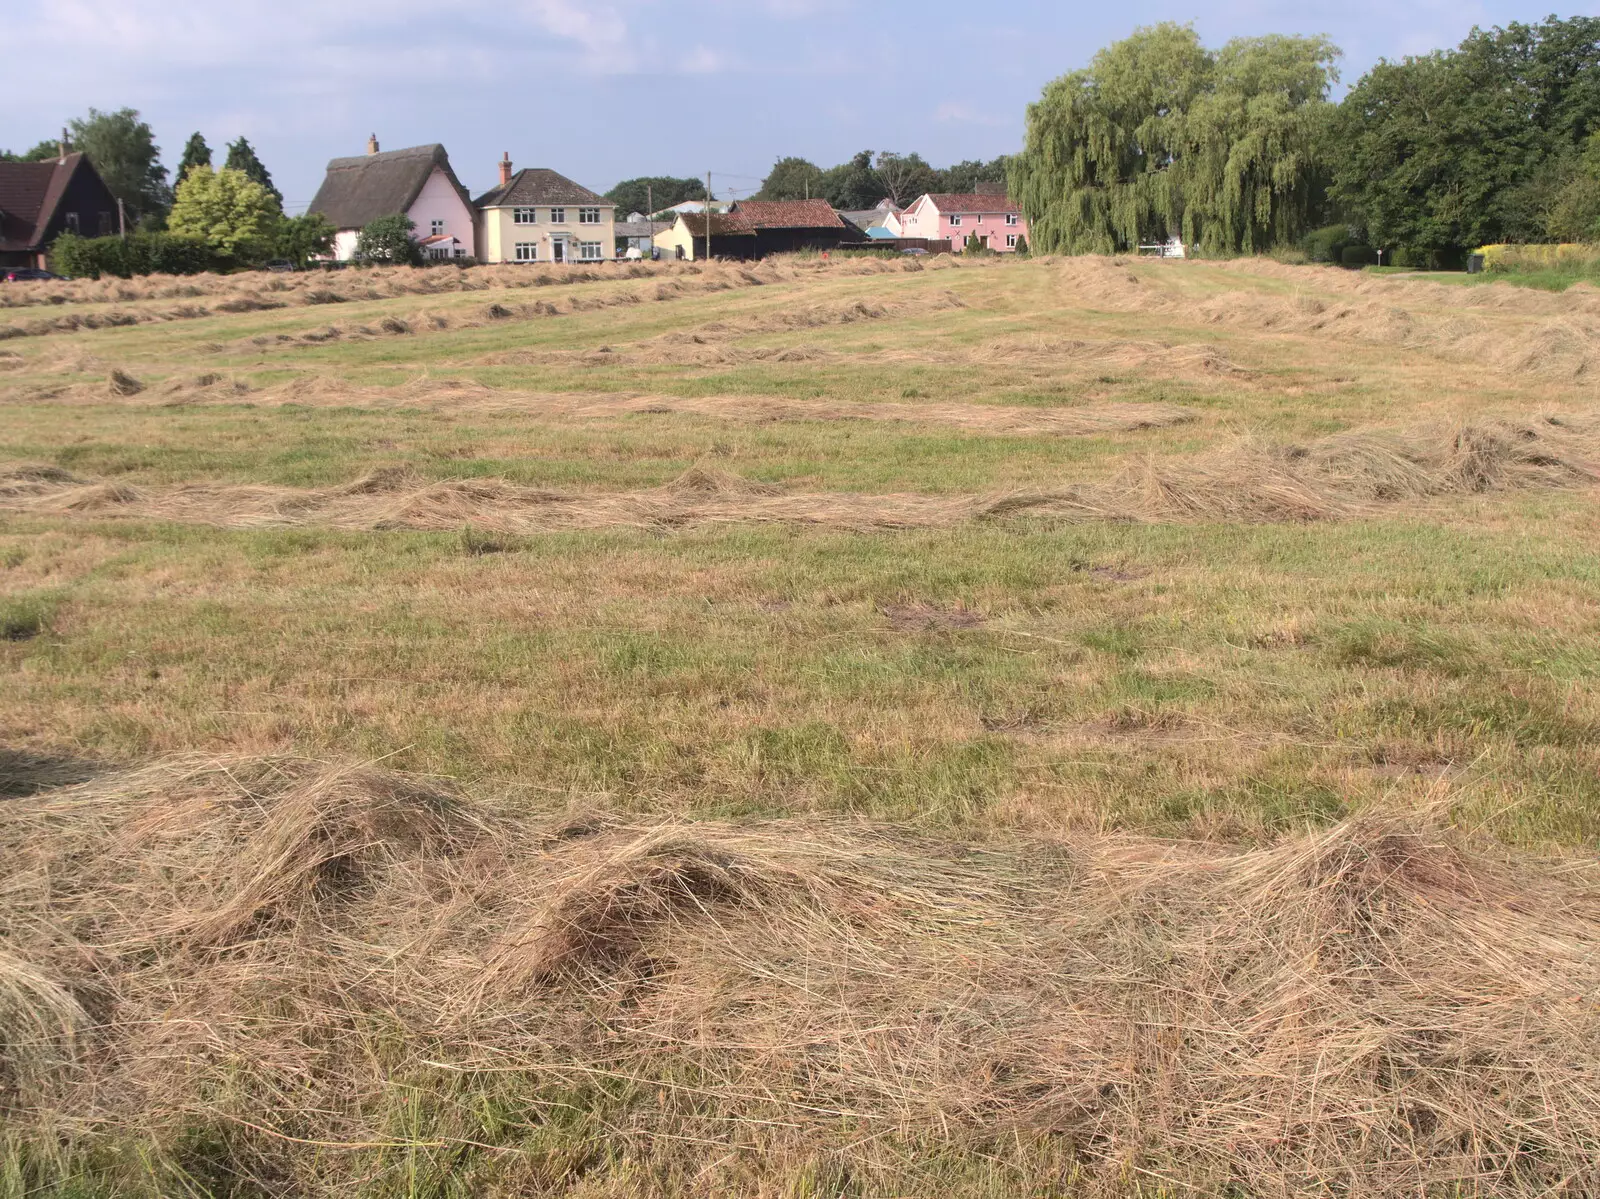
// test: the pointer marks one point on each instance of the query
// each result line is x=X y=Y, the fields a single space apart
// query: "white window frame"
x=524 y=216
x=438 y=252
x=437 y=226
x=558 y=216
x=526 y=251
x=1011 y=218
x=588 y=216
x=590 y=251
x=955 y=218
x=1011 y=241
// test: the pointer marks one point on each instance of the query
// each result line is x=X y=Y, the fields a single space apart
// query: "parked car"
x=281 y=264
x=21 y=274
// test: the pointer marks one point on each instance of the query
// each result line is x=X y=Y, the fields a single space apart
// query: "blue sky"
x=607 y=89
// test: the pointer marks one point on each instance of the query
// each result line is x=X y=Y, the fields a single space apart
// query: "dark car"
x=23 y=274
x=281 y=264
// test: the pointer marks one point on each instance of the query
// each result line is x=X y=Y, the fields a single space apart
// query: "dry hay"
x=1080 y=421
x=1344 y=475
x=465 y=395
x=1382 y=1008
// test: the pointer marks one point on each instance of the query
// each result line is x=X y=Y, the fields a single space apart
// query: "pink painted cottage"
x=416 y=182
x=987 y=215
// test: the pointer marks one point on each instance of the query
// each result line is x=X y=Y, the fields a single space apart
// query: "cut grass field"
x=1053 y=727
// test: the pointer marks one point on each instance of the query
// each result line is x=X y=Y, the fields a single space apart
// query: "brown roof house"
x=539 y=215
x=756 y=228
x=39 y=201
x=416 y=182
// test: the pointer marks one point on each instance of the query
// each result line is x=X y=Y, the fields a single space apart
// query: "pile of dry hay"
x=1345 y=475
x=1375 y=1009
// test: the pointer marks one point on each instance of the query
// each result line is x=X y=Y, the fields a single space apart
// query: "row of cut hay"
x=1382 y=1008
x=383 y=283
x=463 y=395
x=1343 y=475
x=1552 y=335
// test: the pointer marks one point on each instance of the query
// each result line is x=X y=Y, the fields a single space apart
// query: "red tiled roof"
x=786 y=214
x=973 y=202
x=723 y=224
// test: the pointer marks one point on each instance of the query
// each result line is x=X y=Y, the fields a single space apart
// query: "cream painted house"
x=536 y=215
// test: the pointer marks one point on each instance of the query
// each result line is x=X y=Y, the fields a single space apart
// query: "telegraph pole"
x=650 y=214
x=708 y=216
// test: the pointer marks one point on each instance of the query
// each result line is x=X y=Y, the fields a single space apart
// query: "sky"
x=604 y=90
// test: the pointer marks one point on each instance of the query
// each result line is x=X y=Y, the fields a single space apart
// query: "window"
x=527 y=251
x=1011 y=241
x=438 y=228
x=588 y=216
x=72 y=221
x=1011 y=218
x=438 y=252
x=525 y=216
x=558 y=216
x=955 y=219
x=108 y=224
x=589 y=251
x=461 y=251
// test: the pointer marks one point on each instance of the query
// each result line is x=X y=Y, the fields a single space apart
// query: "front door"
x=558 y=250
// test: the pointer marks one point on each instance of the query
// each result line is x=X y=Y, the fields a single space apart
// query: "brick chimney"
x=372 y=144
x=505 y=169
x=64 y=145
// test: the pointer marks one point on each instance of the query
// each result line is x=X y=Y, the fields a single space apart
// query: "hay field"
x=1065 y=727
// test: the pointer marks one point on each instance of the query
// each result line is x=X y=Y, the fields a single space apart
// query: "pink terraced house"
x=985 y=214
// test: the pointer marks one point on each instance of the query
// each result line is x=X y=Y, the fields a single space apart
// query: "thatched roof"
x=361 y=189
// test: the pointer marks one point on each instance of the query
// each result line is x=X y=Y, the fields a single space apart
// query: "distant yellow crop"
x=1509 y=257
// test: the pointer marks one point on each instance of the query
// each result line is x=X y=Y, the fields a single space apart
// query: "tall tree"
x=854 y=184
x=791 y=179
x=658 y=191
x=242 y=157
x=1159 y=136
x=903 y=177
x=1458 y=148
x=124 y=152
x=195 y=154
x=1255 y=151
x=965 y=176
x=235 y=214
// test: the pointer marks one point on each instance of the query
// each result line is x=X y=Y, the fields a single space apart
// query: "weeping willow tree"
x=1160 y=136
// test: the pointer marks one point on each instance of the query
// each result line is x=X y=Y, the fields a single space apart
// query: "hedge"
x=139 y=254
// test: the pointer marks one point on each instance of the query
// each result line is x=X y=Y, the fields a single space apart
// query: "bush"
x=1358 y=256
x=387 y=240
x=1326 y=244
x=139 y=254
x=1022 y=247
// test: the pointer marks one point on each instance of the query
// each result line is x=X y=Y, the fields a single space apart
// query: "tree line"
x=856 y=184
x=1241 y=150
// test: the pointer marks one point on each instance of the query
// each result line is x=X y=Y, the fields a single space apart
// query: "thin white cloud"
x=953 y=113
x=703 y=60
